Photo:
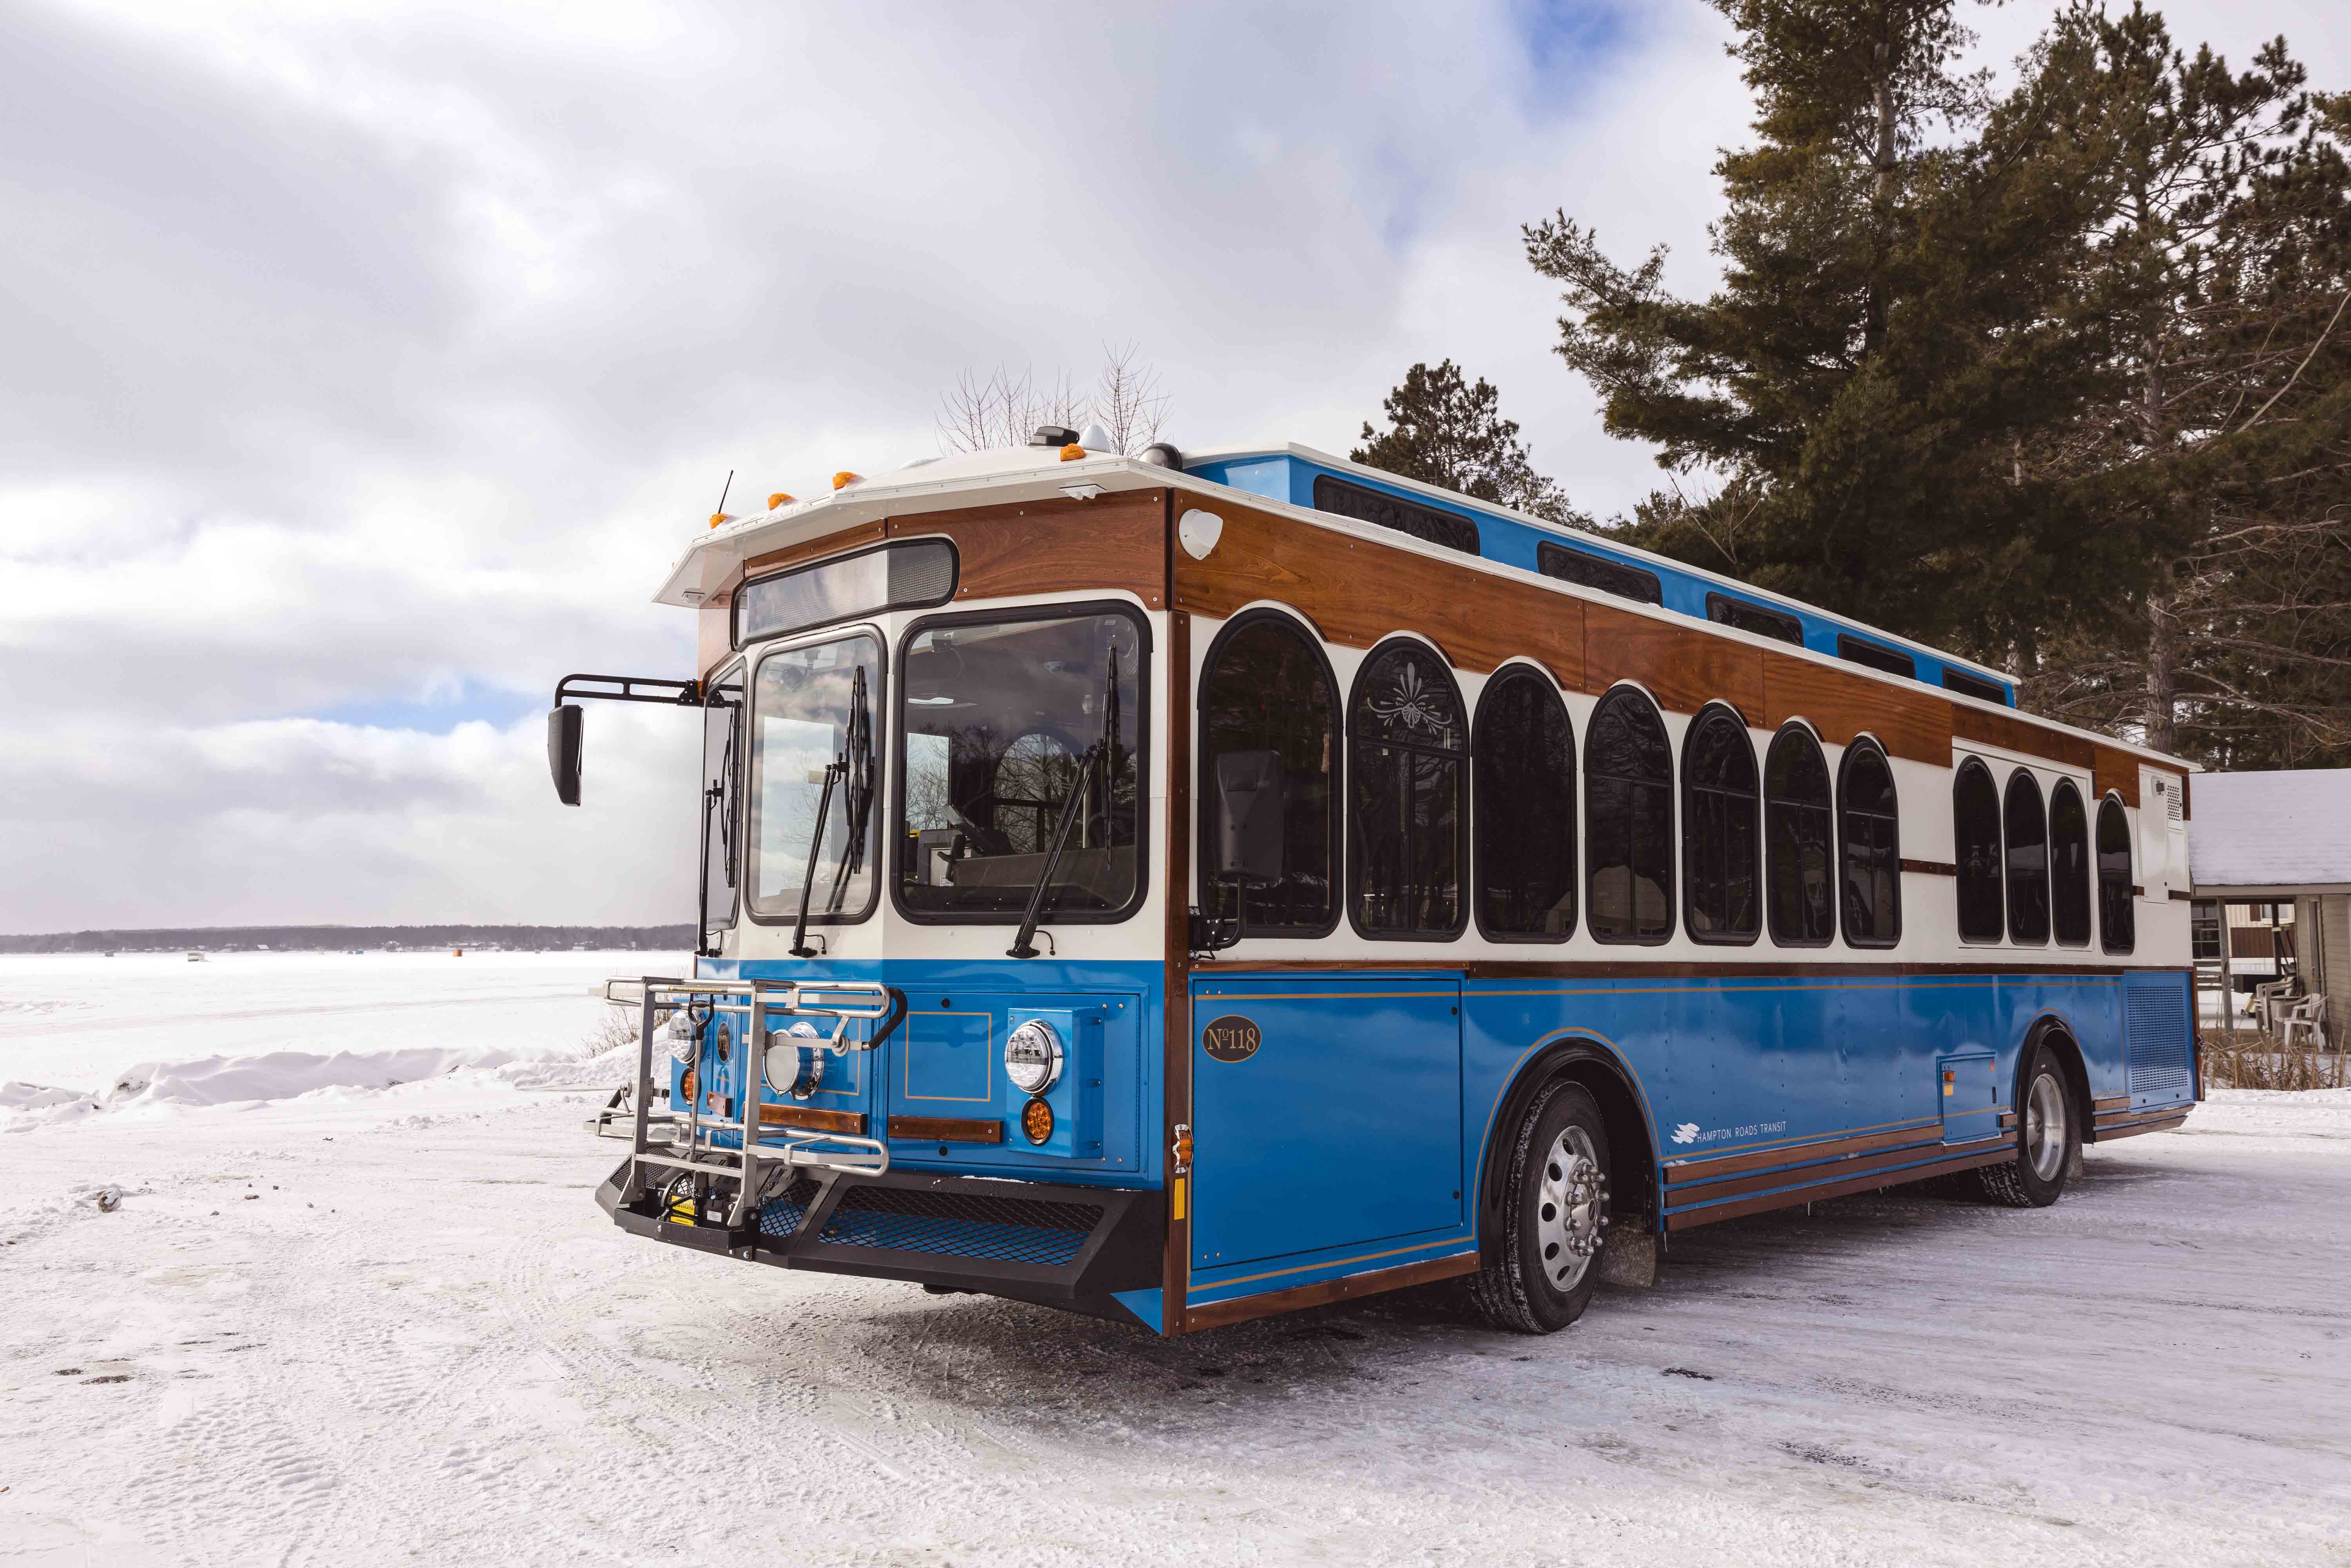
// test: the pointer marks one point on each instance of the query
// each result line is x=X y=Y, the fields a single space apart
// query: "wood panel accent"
x=840 y=543
x=1914 y=726
x=1241 y=1309
x=2160 y=1124
x=2109 y=1102
x=2008 y=1121
x=948 y=1129
x=2013 y=733
x=813 y=1119
x=1857 y=1165
x=1116 y=541
x=2118 y=770
x=1682 y=671
x=1768 y=1201
x=1357 y=591
x=1930 y=868
x=1684 y=1173
x=2188 y=797
x=1176 y=1061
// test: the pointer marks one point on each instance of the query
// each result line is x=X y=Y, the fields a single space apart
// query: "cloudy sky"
x=363 y=366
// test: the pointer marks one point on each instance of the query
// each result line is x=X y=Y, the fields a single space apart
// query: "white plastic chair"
x=2303 y=1013
x=2269 y=1000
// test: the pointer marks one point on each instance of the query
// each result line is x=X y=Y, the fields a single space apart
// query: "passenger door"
x=1326 y=1114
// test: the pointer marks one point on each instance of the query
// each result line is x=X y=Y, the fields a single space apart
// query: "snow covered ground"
x=383 y=1324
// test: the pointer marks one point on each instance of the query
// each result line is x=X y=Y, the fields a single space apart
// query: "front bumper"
x=1074 y=1247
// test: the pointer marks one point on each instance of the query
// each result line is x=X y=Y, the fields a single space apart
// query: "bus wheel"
x=2047 y=1137
x=1554 y=1217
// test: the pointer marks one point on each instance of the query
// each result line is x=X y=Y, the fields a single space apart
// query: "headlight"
x=1033 y=1057
x=791 y=1063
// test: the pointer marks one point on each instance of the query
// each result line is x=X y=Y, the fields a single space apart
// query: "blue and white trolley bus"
x=1190 y=887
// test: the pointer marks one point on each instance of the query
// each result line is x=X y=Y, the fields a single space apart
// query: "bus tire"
x=2048 y=1139
x=1553 y=1219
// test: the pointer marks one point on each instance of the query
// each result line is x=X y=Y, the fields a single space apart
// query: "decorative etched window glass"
x=1524 y=772
x=1719 y=843
x=2027 y=826
x=1265 y=688
x=1869 y=847
x=1628 y=812
x=1796 y=831
x=1975 y=839
x=2118 y=901
x=2069 y=866
x=1405 y=818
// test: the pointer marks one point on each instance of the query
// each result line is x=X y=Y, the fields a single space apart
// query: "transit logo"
x=1687 y=1133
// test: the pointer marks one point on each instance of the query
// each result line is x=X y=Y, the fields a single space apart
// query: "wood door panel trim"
x=948 y=1129
x=1854 y=1165
x=1686 y=1173
x=1241 y=1309
x=811 y=1119
x=1741 y=1207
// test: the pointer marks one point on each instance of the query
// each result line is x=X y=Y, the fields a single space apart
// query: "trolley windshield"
x=1008 y=724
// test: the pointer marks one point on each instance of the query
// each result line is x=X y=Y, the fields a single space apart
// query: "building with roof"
x=2282 y=839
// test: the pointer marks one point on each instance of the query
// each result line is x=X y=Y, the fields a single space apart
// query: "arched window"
x=2117 y=903
x=1869 y=847
x=1801 y=875
x=1265 y=688
x=1628 y=813
x=1404 y=816
x=2027 y=859
x=1719 y=832
x=1975 y=841
x=2069 y=866
x=1523 y=753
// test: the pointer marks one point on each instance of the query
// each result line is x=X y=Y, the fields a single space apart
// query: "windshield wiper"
x=857 y=789
x=1023 y=946
x=832 y=772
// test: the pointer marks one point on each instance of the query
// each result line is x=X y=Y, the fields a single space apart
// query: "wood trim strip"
x=813 y=1119
x=948 y=1129
x=1684 y=1173
x=2109 y=1101
x=1789 y=1199
x=842 y=543
x=1175 y=1074
x=1112 y=542
x=2013 y=732
x=1241 y=1309
x=1857 y=1165
x=1930 y=868
x=2125 y=1118
x=2008 y=1121
x=2179 y=898
x=2162 y=1125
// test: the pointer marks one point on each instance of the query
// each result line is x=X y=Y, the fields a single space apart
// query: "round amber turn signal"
x=1036 y=1122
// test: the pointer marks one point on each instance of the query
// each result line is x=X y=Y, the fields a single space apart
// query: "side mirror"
x=563 y=727
x=1251 y=792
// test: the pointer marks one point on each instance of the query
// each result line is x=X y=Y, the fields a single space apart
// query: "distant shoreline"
x=343 y=938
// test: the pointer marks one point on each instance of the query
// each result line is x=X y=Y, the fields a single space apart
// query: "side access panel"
x=1327 y=1114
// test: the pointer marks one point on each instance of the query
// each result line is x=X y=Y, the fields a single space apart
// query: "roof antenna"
x=719 y=515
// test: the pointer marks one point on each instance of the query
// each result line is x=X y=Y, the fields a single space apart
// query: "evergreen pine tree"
x=1445 y=431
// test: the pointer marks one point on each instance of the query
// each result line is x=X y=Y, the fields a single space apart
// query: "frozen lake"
x=376 y=1325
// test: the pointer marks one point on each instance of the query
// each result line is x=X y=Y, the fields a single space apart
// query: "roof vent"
x=1053 y=436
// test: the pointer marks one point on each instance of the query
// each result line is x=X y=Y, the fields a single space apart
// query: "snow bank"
x=284 y=1074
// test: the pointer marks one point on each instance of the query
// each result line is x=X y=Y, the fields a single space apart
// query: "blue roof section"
x=1289 y=477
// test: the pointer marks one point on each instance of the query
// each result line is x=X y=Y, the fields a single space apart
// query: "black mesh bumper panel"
x=1009 y=1230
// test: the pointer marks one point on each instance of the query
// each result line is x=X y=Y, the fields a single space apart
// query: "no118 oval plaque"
x=1231 y=1037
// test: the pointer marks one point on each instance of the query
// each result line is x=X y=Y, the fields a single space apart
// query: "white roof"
x=2280 y=832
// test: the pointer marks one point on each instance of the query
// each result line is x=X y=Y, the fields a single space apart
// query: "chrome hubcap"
x=1571 y=1208
x=2045 y=1126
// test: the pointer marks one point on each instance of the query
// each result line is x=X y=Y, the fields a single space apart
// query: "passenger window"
x=1629 y=811
x=2027 y=860
x=1796 y=814
x=1365 y=505
x=2069 y=866
x=1719 y=838
x=1523 y=768
x=1590 y=571
x=1854 y=650
x=1266 y=688
x=1404 y=799
x=1749 y=616
x=2117 y=904
x=1869 y=847
x=1975 y=834
x=1970 y=686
